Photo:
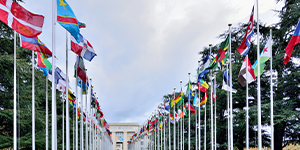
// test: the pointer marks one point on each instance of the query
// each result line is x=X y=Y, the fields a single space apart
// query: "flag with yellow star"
x=67 y=19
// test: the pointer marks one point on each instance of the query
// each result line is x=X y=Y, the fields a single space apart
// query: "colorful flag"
x=225 y=58
x=167 y=105
x=176 y=117
x=189 y=91
x=204 y=99
x=190 y=107
x=264 y=56
x=83 y=49
x=203 y=85
x=80 y=69
x=43 y=64
x=20 y=19
x=180 y=101
x=245 y=45
x=226 y=83
x=293 y=41
x=35 y=44
x=177 y=99
x=203 y=67
x=246 y=69
x=180 y=113
x=214 y=96
x=196 y=101
x=221 y=53
x=67 y=19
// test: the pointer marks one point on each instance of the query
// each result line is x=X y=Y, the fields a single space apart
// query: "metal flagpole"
x=155 y=132
x=47 y=113
x=53 y=121
x=67 y=100
x=189 y=134
x=15 y=90
x=196 y=129
x=33 y=106
x=247 y=106
x=158 y=135
x=199 y=117
x=230 y=74
x=271 y=91
x=81 y=118
x=164 y=134
x=88 y=97
x=182 y=120
x=169 y=127
x=73 y=127
x=174 y=144
x=258 y=85
x=211 y=109
x=228 y=116
x=215 y=94
x=63 y=123
x=77 y=103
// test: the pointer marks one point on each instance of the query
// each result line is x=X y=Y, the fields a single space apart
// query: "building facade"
x=121 y=133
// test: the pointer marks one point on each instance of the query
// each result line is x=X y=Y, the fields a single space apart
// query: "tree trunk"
x=278 y=135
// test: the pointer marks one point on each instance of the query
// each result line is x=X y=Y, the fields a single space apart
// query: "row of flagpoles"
x=96 y=129
x=152 y=128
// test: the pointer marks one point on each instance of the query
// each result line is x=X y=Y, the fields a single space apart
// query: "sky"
x=145 y=48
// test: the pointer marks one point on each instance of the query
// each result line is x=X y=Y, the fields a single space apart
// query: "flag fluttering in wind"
x=167 y=105
x=176 y=100
x=221 y=53
x=214 y=96
x=203 y=85
x=204 y=99
x=293 y=41
x=43 y=64
x=264 y=56
x=20 y=19
x=190 y=107
x=202 y=69
x=35 y=44
x=226 y=83
x=189 y=91
x=83 y=49
x=60 y=79
x=79 y=65
x=245 y=45
x=196 y=101
x=67 y=19
x=246 y=69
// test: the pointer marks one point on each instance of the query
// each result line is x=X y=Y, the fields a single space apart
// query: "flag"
x=60 y=77
x=196 y=101
x=221 y=53
x=189 y=91
x=43 y=64
x=214 y=96
x=71 y=96
x=83 y=49
x=293 y=41
x=35 y=44
x=20 y=19
x=203 y=67
x=245 y=45
x=264 y=56
x=167 y=105
x=176 y=117
x=250 y=73
x=67 y=19
x=203 y=85
x=83 y=86
x=80 y=69
x=204 y=99
x=180 y=101
x=190 y=107
x=214 y=65
x=177 y=99
x=180 y=113
x=226 y=83
x=184 y=110
x=225 y=59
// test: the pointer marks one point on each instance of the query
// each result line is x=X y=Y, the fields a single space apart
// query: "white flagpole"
x=228 y=116
x=205 y=124
x=63 y=123
x=87 y=107
x=154 y=132
x=271 y=91
x=47 y=113
x=196 y=128
x=74 y=125
x=211 y=108
x=33 y=102
x=174 y=117
x=215 y=94
x=247 y=107
x=169 y=126
x=258 y=86
x=199 y=118
x=164 y=134
x=182 y=120
x=67 y=100
x=15 y=90
x=53 y=121
x=189 y=134
x=77 y=101
x=230 y=83
x=81 y=118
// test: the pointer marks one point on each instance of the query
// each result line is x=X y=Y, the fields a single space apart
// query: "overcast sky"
x=145 y=47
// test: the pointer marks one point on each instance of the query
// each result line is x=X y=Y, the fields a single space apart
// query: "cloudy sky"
x=145 y=47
